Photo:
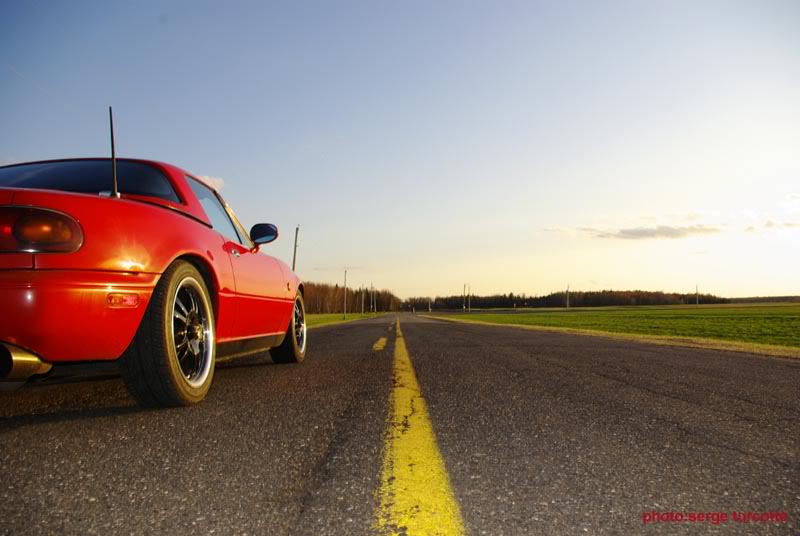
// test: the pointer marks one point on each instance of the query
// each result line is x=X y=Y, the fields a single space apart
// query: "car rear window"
x=90 y=177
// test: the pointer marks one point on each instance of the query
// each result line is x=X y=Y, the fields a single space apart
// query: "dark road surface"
x=541 y=433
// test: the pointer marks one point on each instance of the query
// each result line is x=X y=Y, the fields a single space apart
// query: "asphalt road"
x=540 y=433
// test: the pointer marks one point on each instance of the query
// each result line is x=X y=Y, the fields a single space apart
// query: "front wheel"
x=293 y=348
x=171 y=360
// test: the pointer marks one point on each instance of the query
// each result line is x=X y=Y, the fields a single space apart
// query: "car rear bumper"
x=67 y=315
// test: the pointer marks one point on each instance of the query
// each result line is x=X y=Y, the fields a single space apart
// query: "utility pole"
x=464 y=295
x=362 y=299
x=344 y=307
x=567 y=296
x=429 y=305
x=294 y=256
x=469 y=299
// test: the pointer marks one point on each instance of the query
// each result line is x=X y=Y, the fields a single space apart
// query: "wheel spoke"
x=193 y=303
x=299 y=325
x=192 y=333
x=180 y=304
x=182 y=353
x=191 y=361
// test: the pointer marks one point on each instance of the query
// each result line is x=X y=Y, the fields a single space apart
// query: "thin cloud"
x=657 y=232
x=771 y=225
x=688 y=217
x=214 y=182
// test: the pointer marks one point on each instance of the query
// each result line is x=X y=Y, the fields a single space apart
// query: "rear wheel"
x=171 y=360
x=293 y=348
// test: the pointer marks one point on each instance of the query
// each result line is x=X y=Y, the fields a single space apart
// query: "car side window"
x=244 y=235
x=220 y=221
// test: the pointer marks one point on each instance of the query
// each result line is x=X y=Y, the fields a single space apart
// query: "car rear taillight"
x=38 y=230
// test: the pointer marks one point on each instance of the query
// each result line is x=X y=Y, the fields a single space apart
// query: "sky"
x=512 y=146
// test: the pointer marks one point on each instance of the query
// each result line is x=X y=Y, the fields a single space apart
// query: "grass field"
x=334 y=318
x=764 y=324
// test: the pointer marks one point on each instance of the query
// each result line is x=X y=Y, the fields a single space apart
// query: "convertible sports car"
x=159 y=275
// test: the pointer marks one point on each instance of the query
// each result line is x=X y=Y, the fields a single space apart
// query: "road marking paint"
x=415 y=493
x=379 y=345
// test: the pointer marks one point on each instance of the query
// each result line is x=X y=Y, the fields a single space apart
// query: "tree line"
x=767 y=299
x=599 y=298
x=327 y=298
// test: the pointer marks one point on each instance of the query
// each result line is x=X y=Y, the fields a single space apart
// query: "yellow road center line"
x=415 y=494
x=379 y=345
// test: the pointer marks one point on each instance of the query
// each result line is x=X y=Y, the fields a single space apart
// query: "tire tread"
x=145 y=366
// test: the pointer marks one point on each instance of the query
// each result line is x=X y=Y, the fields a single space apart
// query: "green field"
x=334 y=318
x=771 y=324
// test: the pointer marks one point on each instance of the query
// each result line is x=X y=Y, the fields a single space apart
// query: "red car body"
x=87 y=305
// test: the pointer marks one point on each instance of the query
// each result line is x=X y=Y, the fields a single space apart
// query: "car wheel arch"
x=209 y=278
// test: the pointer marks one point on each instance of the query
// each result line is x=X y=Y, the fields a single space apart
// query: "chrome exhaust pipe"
x=17 y=364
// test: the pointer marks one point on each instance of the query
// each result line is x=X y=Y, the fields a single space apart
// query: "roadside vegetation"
x=325 y=303
x=576 y=298
x=324 y=298
x=316 y=320
x=759 y=324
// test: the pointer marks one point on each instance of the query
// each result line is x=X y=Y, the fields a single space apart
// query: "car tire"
x=171 y=359
x=295 y=343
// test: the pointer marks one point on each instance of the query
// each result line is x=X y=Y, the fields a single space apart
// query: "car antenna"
x=115 y=189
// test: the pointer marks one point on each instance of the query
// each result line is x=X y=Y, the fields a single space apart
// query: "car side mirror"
x=263 y=233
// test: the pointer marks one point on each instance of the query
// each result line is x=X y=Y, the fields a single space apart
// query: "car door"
x=260 y=291
x=259 y=281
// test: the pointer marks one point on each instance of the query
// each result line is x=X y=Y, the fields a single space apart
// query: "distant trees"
x=327 y=298
x=559 y=299
x=767 y=299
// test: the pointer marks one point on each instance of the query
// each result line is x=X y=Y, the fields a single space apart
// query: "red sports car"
x=160 y=276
